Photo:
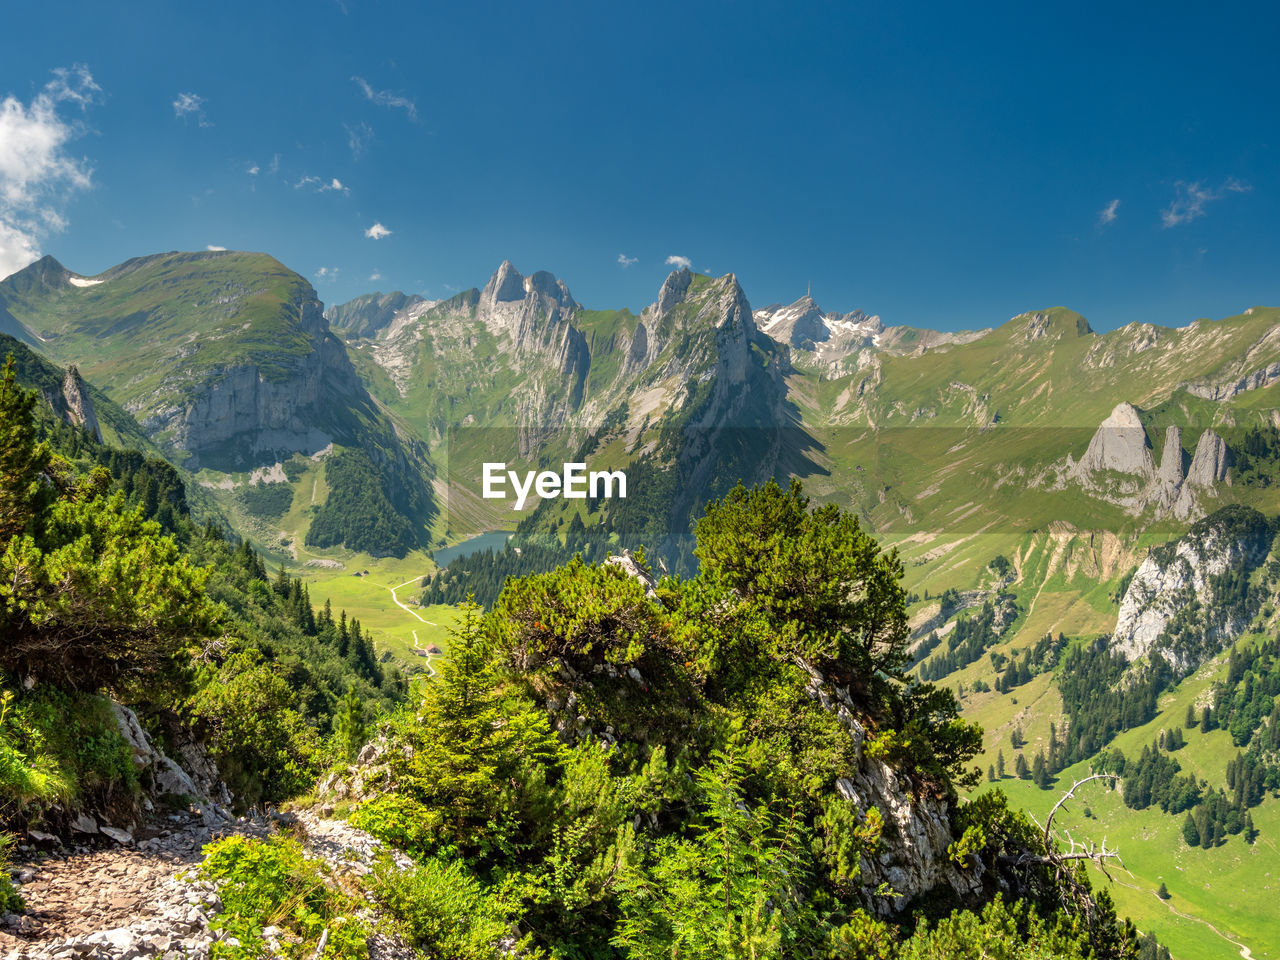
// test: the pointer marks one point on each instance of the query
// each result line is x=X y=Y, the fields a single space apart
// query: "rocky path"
x=102 y=900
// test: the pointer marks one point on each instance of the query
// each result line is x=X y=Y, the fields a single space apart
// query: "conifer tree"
x=1190 y=832
x=351 y=731
x=22 y=458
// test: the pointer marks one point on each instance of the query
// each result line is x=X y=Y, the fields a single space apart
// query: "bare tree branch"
x=1048 y=824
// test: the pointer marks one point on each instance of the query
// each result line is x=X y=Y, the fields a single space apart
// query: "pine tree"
x=1163 y=892
x=1020 y=768
x=1040 y=771
x=991 y=774
x=1190 y=832
x=22 y=459
x=1000 y=764
x=351 y=732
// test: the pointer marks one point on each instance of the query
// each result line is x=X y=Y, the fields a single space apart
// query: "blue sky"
x=939 y=166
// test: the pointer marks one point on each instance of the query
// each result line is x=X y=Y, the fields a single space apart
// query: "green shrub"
x=263 y=747
x=445 y=911
x=400 y=821
x=27 y=772
x=10 y=902
x=265 y=883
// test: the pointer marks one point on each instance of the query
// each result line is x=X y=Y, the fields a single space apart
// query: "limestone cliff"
x=1119 y=466
x=241 y=415
x=1176 y=606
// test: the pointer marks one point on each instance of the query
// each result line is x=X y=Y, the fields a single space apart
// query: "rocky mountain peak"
x=504 y=286
x=550 y=287
x=1120 y=444
x=674 y=289
x=370 y=314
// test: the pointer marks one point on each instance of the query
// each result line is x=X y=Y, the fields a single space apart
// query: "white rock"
x=119 y=836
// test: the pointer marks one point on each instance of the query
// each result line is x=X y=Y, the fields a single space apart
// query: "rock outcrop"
x=70 y=401
x=1171 y=465
x=1119 y=466
x=197 y=781
x=627 y=564
x=912 y=857
x=1179 y=574
x=79 y=408
x=1120 y=444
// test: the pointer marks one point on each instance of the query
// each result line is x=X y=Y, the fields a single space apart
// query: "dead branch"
x=1048 y=824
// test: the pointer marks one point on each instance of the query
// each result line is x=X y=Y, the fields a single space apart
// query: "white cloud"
x=190 y=105
x=1190 y=200
x=680 y=263
x=375 y=277
x=385 y=98
x=358 y=138
x=214 y=248
x=334 y=185
x=37 y=174
x=625 y=260
x=327 y=273
x=377 y=232
x=1108 y=213
x=274 y=168
x=252 y=169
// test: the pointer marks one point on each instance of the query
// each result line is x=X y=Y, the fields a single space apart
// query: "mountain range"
x=1048 y=488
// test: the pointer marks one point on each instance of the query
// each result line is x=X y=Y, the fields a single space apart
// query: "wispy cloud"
x=680 y=263
x=1190 y=200
x=377 y=232
x=274 y=166
x=327 y=273
x=375 y=277
x=37 y=173
x=358 y=138
x=385 y=98
x=625 y=260
x=214 y=248
x=333 y=185
x=191 y=105
x=252 y=169
x=1108 y=213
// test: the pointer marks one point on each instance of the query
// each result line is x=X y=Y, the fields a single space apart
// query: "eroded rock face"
x=1120 y=444
x=912 y=857
x=1178 y=574
x=1171 y=467
x=79 y=408
x=1119 y=467
x=198 y=780
x=244 y=415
